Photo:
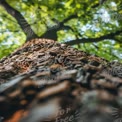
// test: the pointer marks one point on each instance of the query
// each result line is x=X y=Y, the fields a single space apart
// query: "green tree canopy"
x=90 y=25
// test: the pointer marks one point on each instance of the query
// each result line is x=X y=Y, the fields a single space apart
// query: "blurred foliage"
x=93 y=20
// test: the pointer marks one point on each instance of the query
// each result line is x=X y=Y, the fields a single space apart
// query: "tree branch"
x=5 y=31
x=52 y=32
x=30 y=34
x=89 y=40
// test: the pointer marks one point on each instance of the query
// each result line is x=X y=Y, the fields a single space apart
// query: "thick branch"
x=89 y=40
x=52 y=32
x=20 y=19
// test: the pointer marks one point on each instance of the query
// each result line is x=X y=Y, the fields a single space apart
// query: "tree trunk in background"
x=47 y=81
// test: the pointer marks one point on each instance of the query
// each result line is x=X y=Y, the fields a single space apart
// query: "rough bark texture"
x=44 y=81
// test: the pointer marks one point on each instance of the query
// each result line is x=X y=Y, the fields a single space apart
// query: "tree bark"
x=47 y=81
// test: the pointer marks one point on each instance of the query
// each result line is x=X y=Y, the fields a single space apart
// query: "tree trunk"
x=47 y=81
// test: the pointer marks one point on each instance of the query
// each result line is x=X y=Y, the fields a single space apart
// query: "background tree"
x=91 y=25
